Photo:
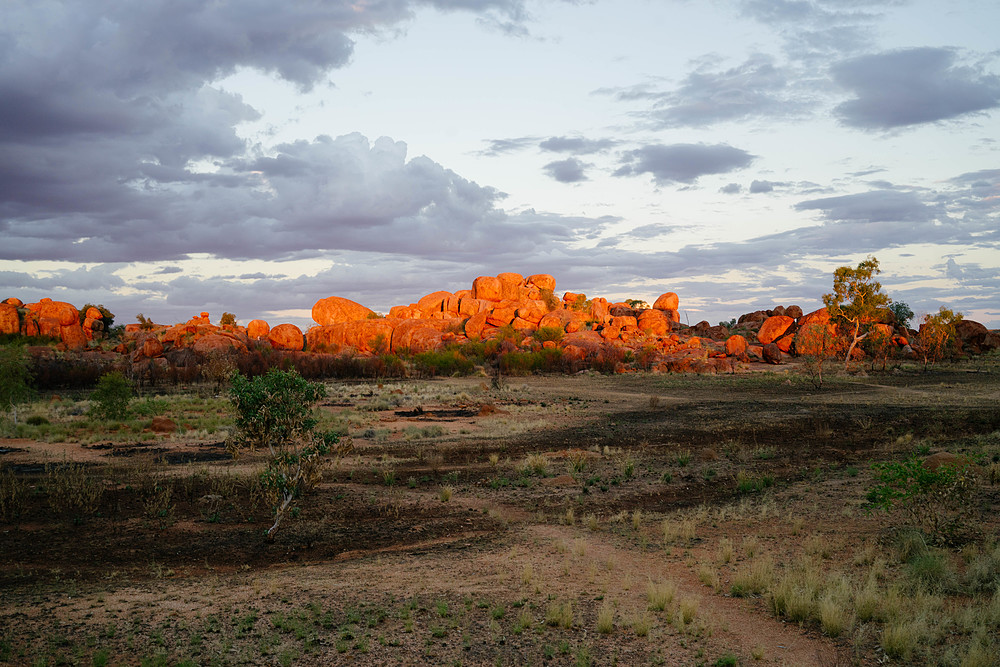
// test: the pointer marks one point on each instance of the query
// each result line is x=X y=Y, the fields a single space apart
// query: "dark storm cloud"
x=577 y=145
x=107 y=105
x=912 y=86
x=683 y=163
x=569 y=170
x=874 y=206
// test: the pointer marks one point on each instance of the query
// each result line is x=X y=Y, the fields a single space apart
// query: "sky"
x=169 y=157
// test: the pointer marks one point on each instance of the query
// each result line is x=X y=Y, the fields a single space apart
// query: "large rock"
x=503 y=313
x=476 y=325
x=794 y=312
x=510 y=284
x=336 y=309
x=667 y=301
x=654 y=322
x=486 y=287
x=218 y=343
x=533 y=311
x=821 y=316
x=289 y=336
x=258 y=329
x=62 y=313
x=771 y=353
x=773 y=328
x=736 y=346
x=418 y=335
x=366 y=336
x=434 y=302
x=543 y=281
x=10 y=323
x=72 y=335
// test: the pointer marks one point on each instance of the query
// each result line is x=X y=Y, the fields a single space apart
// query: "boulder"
x=503 y=313
x=820 y=316
x=773 y=328
x=785 y=343
x=434 y=302
x=533 y=311
x=752 y=318
x=475 y=326
x=10 y=323
x=258 y=329
x=543 y=281
x=600 y=310
x=793 y=312
x=14 y=301
x=289 y=336
x=486 y=287
x=217 y=343
x=150 y=347
x=336 y=309
x=93 y=313
x=654 y=322
x=667 y=301
x=946 y=460
x=777 y=310
x=63 y=313
x=509 y=285
x=364 y=336
x=736 y=346
x=73 y=336
x=417 y=336
x=771 y=353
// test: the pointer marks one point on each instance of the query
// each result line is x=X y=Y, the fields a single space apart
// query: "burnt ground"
x=178 y=519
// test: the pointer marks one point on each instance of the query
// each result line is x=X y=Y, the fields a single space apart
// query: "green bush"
x=15 y=379
x=549 y=333
x=939 y=501
x=275 y=411
x=443 y=362
x=111 y=398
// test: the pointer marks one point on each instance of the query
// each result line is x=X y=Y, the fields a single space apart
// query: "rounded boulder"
x=337 y=309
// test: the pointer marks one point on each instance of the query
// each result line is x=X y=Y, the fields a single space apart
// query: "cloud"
x=569 y=170
x=757 y=187
x=683 y=163
x=731 y=189
x=577 y=145
x=503 y=146
x=912 y=86
x=874 y=206
x=754 y=89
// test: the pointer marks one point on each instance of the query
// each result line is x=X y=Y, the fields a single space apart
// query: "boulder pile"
x=524 y=311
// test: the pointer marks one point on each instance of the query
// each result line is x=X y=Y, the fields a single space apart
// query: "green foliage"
x=554 y=334
x=901 y=312
x=145 y=322
x=729 y=325
x=443 y=362
x=857 y=298
x=276 y=411
x=638 y=304
x=228 y=319
x=106 y=315
x=15 y=378
x=938 y=336
x=112 y=396
x=939 y=501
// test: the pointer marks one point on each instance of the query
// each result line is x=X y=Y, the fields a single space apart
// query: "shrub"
x=15 y=379
x=939 y=501
x=112 y=396
x=275 y=411
x=443 y=362
x=227 y=319
x=549 y=333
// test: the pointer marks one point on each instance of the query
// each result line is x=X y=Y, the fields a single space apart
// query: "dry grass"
x=606 y=618
x=753 y=577
x=660 y=594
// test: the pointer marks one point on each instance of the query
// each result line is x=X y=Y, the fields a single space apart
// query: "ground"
x=632 y=519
